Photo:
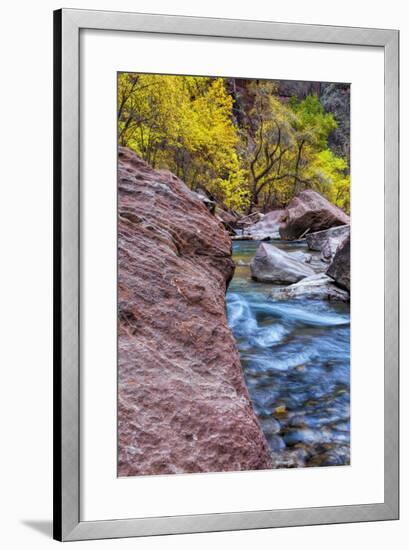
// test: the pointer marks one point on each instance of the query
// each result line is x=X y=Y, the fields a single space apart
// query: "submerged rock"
x=309 y=212
x=270 y=426
x=276 y=443
x=182 y=402
x=333 y=457
x=293 y=436
x=272 y=265
x=340 y=268
x=314 y=287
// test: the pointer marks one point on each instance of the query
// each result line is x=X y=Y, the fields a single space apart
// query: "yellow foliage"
x=187 y=125
x=183 y=124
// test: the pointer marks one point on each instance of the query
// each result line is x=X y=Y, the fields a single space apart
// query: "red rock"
x=182 y=402
x=309 y=212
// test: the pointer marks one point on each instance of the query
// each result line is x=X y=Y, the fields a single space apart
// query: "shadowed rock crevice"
x=182 y=402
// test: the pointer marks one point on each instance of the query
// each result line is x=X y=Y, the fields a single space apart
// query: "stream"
x=295 y=356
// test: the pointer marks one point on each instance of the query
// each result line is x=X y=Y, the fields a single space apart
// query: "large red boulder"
x=182 y=402
x=309 y=212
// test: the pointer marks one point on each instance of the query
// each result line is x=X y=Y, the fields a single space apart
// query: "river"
x=295 y=356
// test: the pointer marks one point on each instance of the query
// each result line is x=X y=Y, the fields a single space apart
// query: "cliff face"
x=182 y=402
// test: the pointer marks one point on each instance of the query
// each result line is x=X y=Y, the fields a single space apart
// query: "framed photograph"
x=226 y=274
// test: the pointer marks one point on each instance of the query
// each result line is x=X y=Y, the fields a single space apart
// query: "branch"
x=125 y=97
x=253 y=162
x=297 y=164
x=280 y=177
x=271 y=161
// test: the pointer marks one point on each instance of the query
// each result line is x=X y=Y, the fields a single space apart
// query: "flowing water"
x=295 y=356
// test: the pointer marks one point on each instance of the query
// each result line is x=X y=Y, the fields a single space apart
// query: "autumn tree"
x=268 y=140
x=183 y=124
x=320 y=168
x=283 y=149
x=258 y=160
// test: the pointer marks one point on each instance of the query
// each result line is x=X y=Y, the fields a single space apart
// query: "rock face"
x=328 y=241
x=267 y=228
x=182 y=402
x=315 y=287
x=272 y=265
x=287 y=89
x=340 y=268
x=227 y=219
x=335 y=98
x=309 y=212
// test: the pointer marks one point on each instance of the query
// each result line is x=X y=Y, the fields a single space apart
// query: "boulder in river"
x=272 y=265
x=328 y=241
x=309 y=212
x=267 y=228
x=340 y=267
x=314 y=287
x=183 y=405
